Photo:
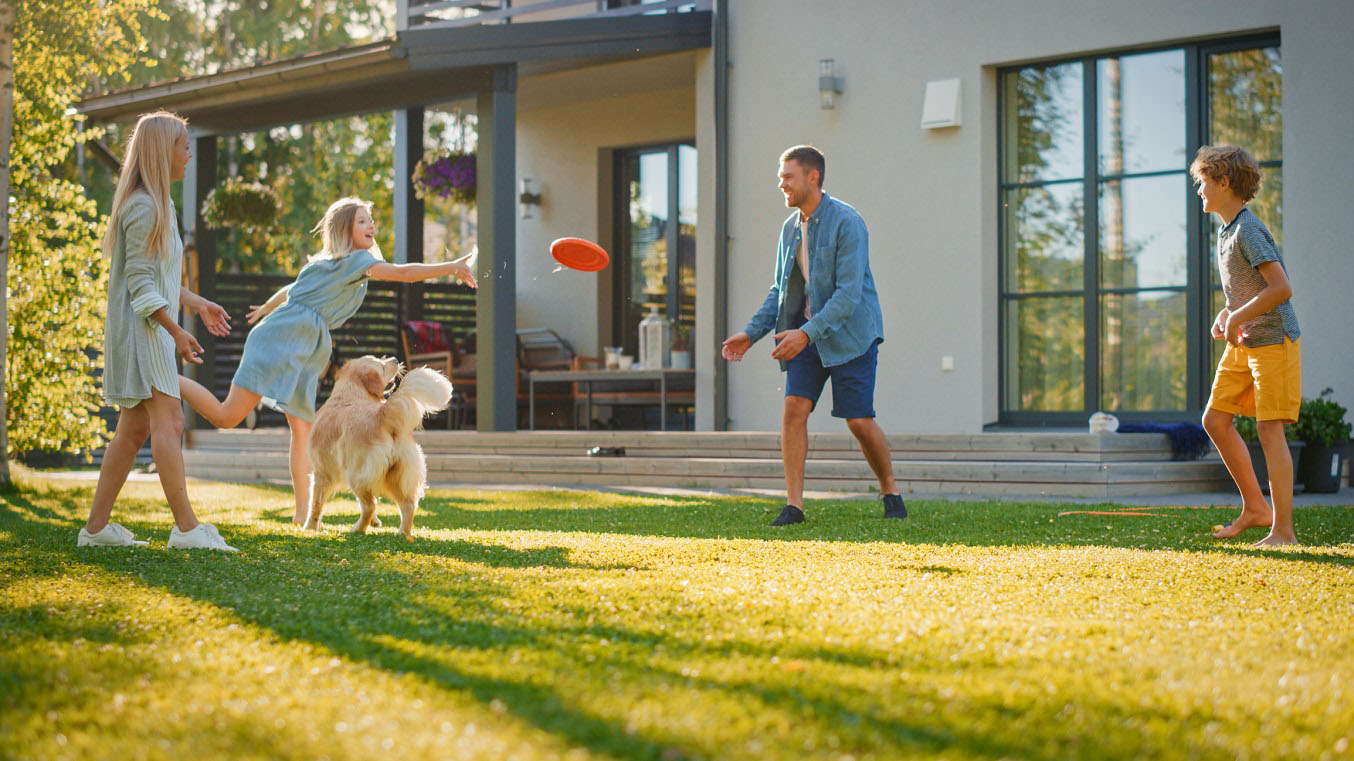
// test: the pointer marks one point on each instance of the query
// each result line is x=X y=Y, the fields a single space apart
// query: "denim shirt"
x=845 y=319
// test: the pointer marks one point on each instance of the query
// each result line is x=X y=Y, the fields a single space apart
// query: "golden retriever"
x=368 y=440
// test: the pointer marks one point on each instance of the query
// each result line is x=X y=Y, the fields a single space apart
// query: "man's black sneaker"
x=894 y=507
x=790 y=514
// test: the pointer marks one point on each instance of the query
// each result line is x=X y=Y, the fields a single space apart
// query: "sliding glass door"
x=656 y=238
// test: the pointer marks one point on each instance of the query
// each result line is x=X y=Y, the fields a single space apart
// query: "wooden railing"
x=447 y=14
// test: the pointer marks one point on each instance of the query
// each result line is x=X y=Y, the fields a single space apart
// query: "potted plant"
x=448 y=175
x=681 y=346
x=246 y=206
x=1251 y=435
x=1321 y=424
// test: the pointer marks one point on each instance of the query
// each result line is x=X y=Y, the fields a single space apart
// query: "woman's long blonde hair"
x=336 y=229
x=146 y=167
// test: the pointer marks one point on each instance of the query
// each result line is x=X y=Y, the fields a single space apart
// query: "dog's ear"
x=370 y=378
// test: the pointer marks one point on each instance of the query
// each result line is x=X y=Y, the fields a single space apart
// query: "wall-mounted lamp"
x=829 y=84
x=529 y=198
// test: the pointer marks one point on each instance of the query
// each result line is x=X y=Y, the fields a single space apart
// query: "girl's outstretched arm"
x=413 y=273
x=258 y=312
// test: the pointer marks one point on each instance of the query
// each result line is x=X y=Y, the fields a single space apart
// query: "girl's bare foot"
x=1277 y=539
x=1248 y=519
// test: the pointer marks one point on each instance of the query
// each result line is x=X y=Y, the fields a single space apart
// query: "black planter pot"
x=1321 y=466
x=1295 y=449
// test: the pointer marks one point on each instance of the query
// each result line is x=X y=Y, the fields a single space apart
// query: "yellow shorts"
x=1264 y=382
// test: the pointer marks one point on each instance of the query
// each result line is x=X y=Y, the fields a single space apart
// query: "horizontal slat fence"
x=375 y=329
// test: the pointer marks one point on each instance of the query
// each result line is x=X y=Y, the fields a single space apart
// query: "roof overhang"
x=420 y=67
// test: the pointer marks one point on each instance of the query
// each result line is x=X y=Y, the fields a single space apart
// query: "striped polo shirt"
x=1243 y=245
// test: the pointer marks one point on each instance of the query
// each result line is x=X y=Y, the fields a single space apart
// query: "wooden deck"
x=989 y=464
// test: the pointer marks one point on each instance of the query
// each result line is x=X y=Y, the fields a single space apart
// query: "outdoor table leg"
x=531 y=403
x=588 y=424
x=662 y=401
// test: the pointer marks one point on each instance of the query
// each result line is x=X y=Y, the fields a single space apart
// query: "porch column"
x=408 y=207
x=198 y=181
x=496 y=303
x=720 y=41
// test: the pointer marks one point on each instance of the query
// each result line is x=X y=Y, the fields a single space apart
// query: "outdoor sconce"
x=529 y=199
x=829 y=85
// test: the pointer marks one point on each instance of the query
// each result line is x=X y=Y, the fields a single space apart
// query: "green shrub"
x=1322 y=421
x=1245 y=425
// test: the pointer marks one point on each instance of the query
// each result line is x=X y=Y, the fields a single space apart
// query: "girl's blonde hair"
x=146 y=167
x=336 y=229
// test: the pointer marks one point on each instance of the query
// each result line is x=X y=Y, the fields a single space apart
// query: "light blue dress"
x=288 y=351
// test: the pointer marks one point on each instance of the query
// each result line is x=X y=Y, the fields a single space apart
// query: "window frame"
x=1199 y=287
x=621 y=269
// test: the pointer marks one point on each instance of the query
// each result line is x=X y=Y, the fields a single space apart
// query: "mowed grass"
x=576 y=625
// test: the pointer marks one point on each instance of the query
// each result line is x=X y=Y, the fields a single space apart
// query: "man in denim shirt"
x=825 y=310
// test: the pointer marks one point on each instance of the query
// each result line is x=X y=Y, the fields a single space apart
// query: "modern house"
x=1035 y=238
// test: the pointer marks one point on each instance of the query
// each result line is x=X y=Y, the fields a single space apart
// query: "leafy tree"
x=6 y=132
x=57 y=276
x=309 y=165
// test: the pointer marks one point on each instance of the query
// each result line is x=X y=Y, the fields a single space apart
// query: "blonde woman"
x=142 y=337
x=288 y=351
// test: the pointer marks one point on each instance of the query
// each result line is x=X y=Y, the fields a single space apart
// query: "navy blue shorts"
x=852 y=383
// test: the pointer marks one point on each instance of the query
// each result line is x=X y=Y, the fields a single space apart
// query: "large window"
x=1108 y=283
x=656 y=237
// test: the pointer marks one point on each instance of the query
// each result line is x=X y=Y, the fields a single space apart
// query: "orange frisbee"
x=579 y=254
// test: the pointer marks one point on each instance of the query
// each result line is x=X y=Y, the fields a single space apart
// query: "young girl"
x=285 y=355
x=141 y=337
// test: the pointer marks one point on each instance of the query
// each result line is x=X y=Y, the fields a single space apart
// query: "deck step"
x=1053 y=465
x=1059 y=447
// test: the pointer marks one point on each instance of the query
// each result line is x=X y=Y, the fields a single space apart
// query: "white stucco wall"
x=558 y=146
x=929 y=197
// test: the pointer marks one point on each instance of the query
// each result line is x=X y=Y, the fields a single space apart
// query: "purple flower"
x=450 y=176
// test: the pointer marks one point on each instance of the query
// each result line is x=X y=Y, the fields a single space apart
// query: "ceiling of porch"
x=557 y=61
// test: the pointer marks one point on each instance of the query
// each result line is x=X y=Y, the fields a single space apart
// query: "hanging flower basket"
x=241 y=205
x=447 y=175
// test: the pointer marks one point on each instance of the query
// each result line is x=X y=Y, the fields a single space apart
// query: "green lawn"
x=535 y=625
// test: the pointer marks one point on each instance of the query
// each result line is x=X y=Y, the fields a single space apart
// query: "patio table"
x=588 y=377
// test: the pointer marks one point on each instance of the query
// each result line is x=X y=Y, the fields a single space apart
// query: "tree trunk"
x=7 y=16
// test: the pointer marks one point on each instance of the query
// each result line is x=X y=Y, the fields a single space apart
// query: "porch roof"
x=417 y=67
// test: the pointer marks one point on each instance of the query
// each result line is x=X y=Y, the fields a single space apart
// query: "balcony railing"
x=448 y=14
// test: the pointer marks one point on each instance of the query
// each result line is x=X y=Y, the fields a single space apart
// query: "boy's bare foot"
x=1247 y=519
x=1277 y=539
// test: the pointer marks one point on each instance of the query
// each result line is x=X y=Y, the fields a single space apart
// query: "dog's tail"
x=422 y=392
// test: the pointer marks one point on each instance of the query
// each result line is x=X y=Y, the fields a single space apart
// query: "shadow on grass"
x=391 y=620
x=336 y=593
x=374 y=600
x=977 y=524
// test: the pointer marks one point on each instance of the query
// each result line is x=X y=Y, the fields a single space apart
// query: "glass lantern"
x=655 y=341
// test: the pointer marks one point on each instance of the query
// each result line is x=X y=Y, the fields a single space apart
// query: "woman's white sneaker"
x=112 y=535
x=204 y=537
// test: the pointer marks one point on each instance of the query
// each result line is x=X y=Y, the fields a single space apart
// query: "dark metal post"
x=496 y=303
x=1198 y=304
x=198 y=181
x=720 y=40
x=408 y=208
x=1091 y=265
